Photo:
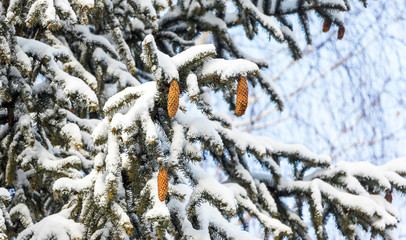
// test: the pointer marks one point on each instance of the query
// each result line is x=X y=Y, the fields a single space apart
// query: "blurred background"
x=345 y=98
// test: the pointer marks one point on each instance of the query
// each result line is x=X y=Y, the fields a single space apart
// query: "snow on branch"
x=124 y=49
x=278 y=228
x=66 y=186
x=21 y=212
x=126 y=96
x=72 y=85
x=44 y=160
x=193 y=57
x=159 y=210
x=266 y=21
x=71 y=64
x=83 y=124
x=58 y=226
x=226 y=69
x=271 y=89
x=45 y=10
x=199 y=128
x=210 y=218
x=114 y=68
x=161 y=64
x=293 y=6
x=138 y=112
x=207 y=188
x=351 y=192
x=147 y=8
x=366 y=173
x=85 y=36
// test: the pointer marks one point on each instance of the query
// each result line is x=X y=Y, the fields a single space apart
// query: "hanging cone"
x=388 y=196
x=242 y=97
x=341 y=32
x=173 y=98
x=326 y=25
x=162 y=184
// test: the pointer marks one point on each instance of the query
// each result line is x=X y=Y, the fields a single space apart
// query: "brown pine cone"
x=326 y=25
x=173 y=98
x=242 y=97
x=162 y=184
x=388 y=196
x=341 y=32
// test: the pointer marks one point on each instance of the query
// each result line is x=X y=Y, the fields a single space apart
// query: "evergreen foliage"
x=88 y=118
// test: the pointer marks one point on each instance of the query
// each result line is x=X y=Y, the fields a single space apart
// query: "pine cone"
x=341 y=32
x=388 y=196
x=242 y=97
x=326 y=25
x=173 y=98
x=162 y=184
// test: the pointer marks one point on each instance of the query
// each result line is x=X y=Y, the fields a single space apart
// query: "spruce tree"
x=98 y=139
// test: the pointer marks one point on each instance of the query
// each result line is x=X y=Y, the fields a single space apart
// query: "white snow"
x=124 y=97
x=340 y=3
x=213 y=21
x=364 y=170
x=89 y=4
x=115 y=69
x=207 y=184
x=71 y=85
x=117 y=36
x=22 y=212
x=168 y=66
x=160 y=63
x=23 y=59
x=44 y=9
x=4 y=195
x=266 y=21
x=88 y=124
x=64 y=7
x=57 y=226
x=123 y=217
x=178 y=208
x=100 y=189
x=108 y=183
x=159 y=210
x=316 y=198
x=245 y=202
x=146 y=7
x=72 y=131
x=83 y=33
x=178 y=143
x=192 y=86
x=68 y=185
x=199 y=127
x=188 y=230
x=397 y=165
x=266 y=195
x=366 y=204
x=138 y=112
x=210 y=216
x=151 y=135
x=74 y=65
x=228 y=68
x=186 y=57
x=45 y=160
x=243 y=174
x=290 y=5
